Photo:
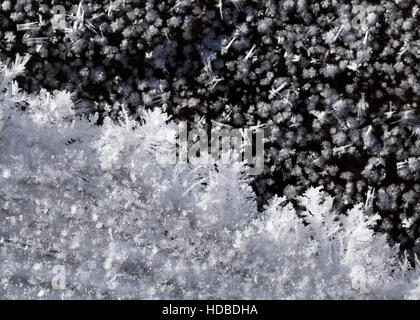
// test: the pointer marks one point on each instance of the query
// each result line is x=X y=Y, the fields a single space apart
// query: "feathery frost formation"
x=335 y=82
x=97 y=200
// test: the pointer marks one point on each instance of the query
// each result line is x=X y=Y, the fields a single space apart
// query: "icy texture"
x=98 y=200
x=335 y=82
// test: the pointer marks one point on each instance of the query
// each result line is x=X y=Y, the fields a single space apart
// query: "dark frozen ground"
x=345 y=115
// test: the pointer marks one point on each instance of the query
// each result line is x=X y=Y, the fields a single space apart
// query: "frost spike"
x=250 y=53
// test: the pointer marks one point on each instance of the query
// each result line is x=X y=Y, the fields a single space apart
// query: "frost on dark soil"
x=339 y=96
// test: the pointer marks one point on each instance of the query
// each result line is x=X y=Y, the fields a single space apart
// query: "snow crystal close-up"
x=218 y=149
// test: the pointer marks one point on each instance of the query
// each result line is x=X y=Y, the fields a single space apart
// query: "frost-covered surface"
x=336 y=83
x=98 y=200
